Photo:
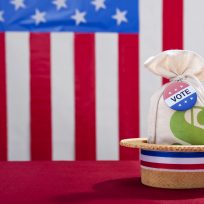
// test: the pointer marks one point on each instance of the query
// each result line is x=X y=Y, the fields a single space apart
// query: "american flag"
x=72 y=80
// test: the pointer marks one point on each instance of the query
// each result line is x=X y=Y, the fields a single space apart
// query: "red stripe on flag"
x=85 y=119
x=40 y=97
x=128 y=92
x=173 y=166
x=172 y=25
x=3 y=115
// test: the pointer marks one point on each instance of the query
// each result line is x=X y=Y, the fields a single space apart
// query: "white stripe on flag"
x=62 y=73
x=150 y=44
x=107 y=96
x=193 y=26
x=18 y=89
x=171 y=160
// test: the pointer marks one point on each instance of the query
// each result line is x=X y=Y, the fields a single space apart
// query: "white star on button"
x=179 y=104
x=169 y=92
x=191 y=98
x=60 y=4
x=120 y=16
x=18 y=4
x=185 y=101
x=39 y=17
x=79 y=17
x=175 y=89
x=1 y=16
x=99 y=4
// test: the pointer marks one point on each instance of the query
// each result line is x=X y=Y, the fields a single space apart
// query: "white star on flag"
x=18 y=4
x=79 y=17
x=60 y=4
x=1 y=16
x=120 y=16
x=39 y=17
x=99 y=4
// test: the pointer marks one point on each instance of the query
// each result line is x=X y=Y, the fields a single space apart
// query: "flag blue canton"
x=69 y=15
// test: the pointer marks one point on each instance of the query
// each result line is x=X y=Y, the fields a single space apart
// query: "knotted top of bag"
x=175 y=64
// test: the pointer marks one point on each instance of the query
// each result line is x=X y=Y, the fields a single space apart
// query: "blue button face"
x=180 y=96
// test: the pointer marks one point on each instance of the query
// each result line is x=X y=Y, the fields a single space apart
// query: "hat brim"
x=141 y=143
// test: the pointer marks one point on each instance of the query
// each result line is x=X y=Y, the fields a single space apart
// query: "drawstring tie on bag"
x=178 y=78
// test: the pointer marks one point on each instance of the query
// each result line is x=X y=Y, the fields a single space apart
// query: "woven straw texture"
x=172 y=180
x=142 y=143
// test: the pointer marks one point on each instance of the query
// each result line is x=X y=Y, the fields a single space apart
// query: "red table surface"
x=83 y=182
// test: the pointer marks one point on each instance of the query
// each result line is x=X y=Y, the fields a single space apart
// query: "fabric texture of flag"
x=72 y=80
x=69 y=15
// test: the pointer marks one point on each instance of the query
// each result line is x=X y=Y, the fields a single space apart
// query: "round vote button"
x=180 y=96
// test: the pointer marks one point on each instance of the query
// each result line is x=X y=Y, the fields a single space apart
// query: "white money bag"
x=165 y=125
